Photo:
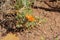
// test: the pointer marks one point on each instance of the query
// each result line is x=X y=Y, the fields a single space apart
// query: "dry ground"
x=47 y=31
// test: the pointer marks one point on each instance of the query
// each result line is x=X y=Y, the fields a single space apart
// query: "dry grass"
x=10 y=36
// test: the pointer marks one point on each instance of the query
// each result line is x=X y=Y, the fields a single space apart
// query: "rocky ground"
x=50 y=30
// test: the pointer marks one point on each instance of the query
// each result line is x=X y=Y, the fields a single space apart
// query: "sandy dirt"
x=50 y=30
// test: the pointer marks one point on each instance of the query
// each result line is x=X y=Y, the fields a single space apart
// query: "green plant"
x=18 y=4
x=25 y=19
x=24 y=15
x=22 y=3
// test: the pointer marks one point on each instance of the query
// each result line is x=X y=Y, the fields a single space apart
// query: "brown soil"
x=44 y=31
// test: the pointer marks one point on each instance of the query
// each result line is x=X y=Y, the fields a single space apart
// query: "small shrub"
x=25 y=19
x=25 y=16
